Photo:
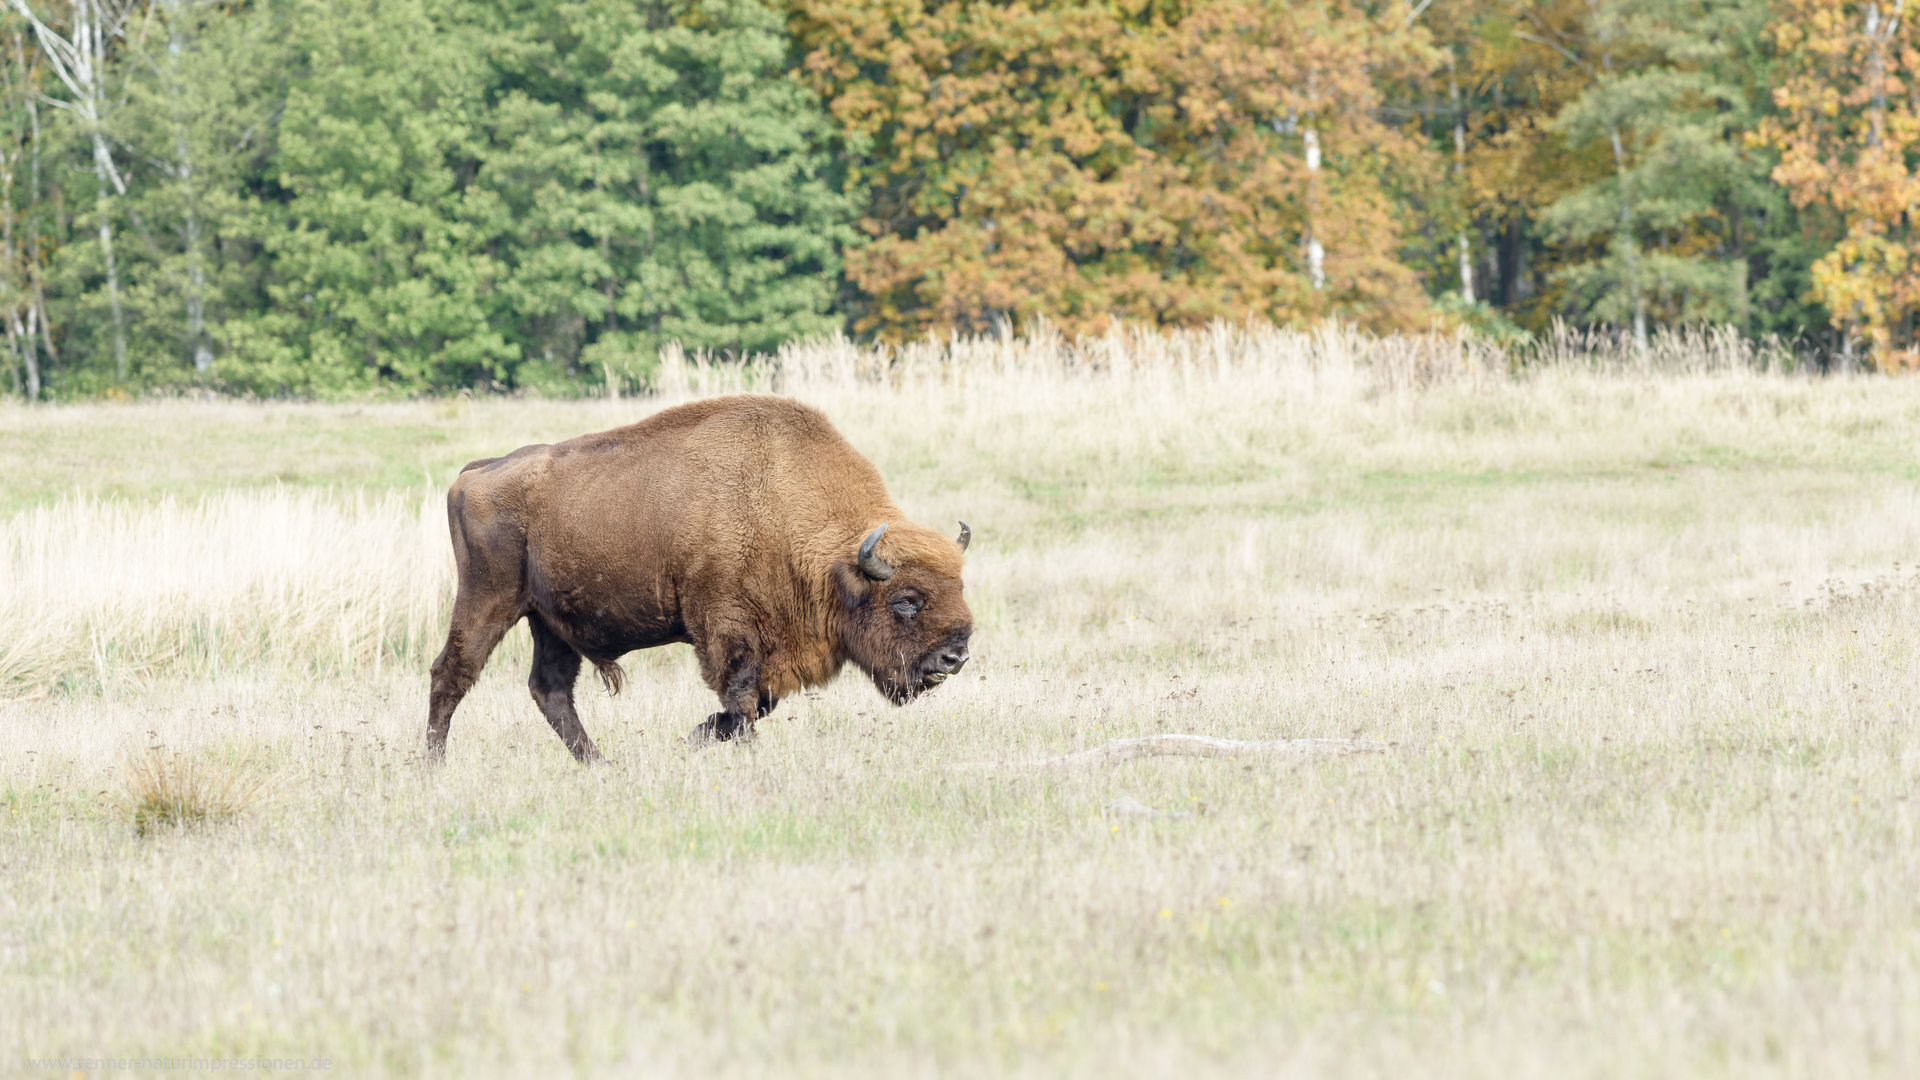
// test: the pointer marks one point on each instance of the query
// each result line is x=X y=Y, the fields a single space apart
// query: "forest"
x=342 y=198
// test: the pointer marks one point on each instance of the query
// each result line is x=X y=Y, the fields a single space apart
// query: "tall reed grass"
x=299 y=583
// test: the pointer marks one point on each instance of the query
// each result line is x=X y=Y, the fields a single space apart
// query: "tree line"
x=335 y=197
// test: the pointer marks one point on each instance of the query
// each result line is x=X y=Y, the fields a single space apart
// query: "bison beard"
x=744 y=526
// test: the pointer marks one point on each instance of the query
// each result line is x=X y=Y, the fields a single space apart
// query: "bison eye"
x=907 y=607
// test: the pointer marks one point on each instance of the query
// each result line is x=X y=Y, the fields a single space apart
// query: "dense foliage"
x=329 y=197
x=1087 y=162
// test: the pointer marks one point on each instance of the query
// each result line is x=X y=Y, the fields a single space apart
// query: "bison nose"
x=953 y=660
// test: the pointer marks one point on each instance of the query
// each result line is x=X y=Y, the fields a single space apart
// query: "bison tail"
x=611 y=674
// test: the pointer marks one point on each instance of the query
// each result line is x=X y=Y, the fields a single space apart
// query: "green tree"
x=666 y=179
x=397 y=196
x=23 y=217
x=1492 y=118
x=78 y=43
x=1673 y=219
x=1670 y=125
x=390 y=197
x=379 y=245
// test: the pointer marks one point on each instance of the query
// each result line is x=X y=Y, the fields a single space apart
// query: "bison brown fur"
x=745 y=526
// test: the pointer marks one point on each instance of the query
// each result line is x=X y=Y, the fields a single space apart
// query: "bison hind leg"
x=471 y=636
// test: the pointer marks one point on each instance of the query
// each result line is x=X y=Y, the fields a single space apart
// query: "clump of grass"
x=163 y=791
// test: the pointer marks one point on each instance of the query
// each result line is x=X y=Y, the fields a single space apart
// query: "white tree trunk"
x=18 y=259
x=1880 y=31
x=29 y=350
x=1632 y=245
x=103 y=208
x=1316 y=255
x=33 y=354
x=1459 y=174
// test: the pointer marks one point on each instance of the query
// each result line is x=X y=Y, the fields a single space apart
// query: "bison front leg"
x=556 y=667
x=729 y=725
x=743 y=700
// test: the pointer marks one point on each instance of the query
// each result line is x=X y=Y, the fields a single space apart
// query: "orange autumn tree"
x=1161 y=162
x=1849 y=134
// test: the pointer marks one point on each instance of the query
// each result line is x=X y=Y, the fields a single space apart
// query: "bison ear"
x=966 y=534
x=851 y=584
x=871 y=564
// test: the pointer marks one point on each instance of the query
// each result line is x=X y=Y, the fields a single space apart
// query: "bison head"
x=906 y=623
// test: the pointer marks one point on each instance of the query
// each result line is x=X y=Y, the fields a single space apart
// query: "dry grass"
x=172 y=791
x=1643 y=647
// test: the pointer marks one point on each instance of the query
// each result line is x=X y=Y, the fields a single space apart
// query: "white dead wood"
x=1206 y=746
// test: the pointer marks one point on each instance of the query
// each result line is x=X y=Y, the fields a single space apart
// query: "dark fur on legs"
x=730 y=726
x=457 y=668
x=556 y=667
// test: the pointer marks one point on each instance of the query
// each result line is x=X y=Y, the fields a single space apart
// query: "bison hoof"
x=719 y=728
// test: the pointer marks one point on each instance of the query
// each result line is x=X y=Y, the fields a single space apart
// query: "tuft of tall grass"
x=172 y=790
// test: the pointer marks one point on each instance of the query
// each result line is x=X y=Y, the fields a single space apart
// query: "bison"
x=745 y=526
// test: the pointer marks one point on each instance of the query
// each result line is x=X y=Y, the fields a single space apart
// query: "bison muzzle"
x=745 y=526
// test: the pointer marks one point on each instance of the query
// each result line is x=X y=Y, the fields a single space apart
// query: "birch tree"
x=79 y=60
x=1464 y=246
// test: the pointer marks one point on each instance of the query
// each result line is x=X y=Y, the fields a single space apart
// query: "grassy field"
x=1640 y=649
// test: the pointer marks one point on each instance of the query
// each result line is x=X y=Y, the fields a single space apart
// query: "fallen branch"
x=1207 y=746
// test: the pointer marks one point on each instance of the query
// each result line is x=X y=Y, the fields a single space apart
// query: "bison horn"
x=873 y=565
x=966 y=534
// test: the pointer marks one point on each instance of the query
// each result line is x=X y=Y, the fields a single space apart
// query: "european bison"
x=745 y=526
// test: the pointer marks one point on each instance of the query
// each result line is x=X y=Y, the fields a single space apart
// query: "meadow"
x=1632 y=647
